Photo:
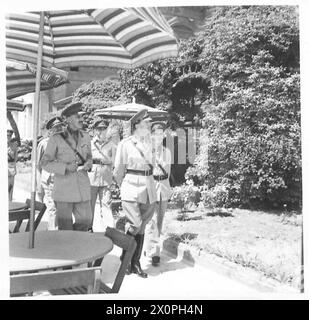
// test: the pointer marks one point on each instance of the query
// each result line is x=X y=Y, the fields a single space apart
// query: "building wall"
x=185 y=21
x=77 y=77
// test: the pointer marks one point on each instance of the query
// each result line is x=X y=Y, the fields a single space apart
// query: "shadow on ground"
x=169 y=263
x=220 y=213
x=111 y=264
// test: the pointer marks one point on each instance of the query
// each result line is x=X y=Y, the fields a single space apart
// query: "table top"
x=17 y=205
x=56 y=249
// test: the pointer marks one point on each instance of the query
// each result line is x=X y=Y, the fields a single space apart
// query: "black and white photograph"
x=154 y=151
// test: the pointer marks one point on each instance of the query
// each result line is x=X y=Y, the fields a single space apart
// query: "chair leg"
x=128 y=271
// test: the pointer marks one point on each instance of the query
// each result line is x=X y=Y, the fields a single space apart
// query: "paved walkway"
x=173 y=279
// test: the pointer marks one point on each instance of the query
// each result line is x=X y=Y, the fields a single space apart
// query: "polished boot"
x=135 y=264
x=155 y=261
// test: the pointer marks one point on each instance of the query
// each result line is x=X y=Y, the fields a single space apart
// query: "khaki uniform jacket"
x=68 y=186
x=163 y=188
x=102 y=174
x=134 y=187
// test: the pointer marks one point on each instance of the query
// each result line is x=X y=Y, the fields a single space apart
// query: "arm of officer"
x=110 y=154
x=120 y=163
x=49 y=161
x=113 y=152
x=16 y=152
x=40 y=153
x=167 y=161
x=88 y=158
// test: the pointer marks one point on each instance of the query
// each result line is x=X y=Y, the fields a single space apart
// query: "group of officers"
x=75 y=169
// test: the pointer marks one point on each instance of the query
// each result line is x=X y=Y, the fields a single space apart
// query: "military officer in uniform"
x=44 y=178
x=161 y=175
x=101 y=175
x=12 y=159
x=68 y=157
x=133 y=172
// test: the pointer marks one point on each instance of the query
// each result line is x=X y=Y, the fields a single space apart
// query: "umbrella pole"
x=35 y=120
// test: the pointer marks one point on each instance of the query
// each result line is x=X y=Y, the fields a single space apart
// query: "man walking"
x=133 y=172
x=101 y=176
x=161 y=175
x=45 y=179
x=68 y=157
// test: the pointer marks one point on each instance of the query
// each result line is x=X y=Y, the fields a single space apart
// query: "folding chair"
x=24 y=215
x=41 y=208
x=76 y=281
x=128 y=244
x=19 y=216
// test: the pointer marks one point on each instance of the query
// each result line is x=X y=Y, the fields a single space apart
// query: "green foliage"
x=174 y=84
x=24 y=151
x=216 y=197
x=252 y=144
x=99 y=94
x=185 y=196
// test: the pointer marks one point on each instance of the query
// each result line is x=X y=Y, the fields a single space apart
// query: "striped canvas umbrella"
x=20 y=78
x=114 y=37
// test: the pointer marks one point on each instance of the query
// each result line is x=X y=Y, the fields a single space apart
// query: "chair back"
x=19 y=216
x=38 y=207
x=81 y=280
x=24 y=215
x=126 y=243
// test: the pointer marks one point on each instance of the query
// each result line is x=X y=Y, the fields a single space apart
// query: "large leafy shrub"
x=185 y=196
x=252 y=143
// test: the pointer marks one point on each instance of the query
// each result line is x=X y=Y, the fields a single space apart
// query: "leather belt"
x=140 y=172
x=99 y=162
x=160 y=177
x=11 y=161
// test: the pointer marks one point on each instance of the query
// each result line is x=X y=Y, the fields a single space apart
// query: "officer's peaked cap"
x=72 y=108
x=158 y=125
x=100 y=124
x=55 y=121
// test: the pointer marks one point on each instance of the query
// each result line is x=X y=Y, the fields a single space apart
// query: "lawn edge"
x=234 y=271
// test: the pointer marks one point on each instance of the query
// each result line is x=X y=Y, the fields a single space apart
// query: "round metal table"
x=55 y=249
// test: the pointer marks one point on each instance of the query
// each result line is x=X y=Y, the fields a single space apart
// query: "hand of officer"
x=71 y=167
x=87 y=166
